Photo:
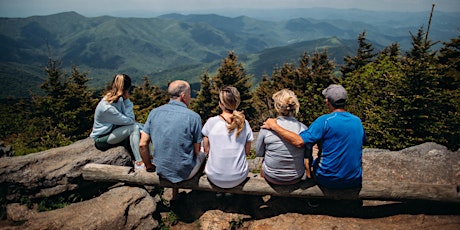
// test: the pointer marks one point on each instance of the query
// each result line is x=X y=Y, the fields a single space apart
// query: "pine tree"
x=51 y=122
x=80 y=105
x=322 y=69
x=231 y=72
x=426 y=106
x=147 y=97
x=263 y=102
x=364 y=55
x=374 y=95
x=285 y=77
x=203 y=103
x=449 y=60
x=391 y=52
x=62 y=115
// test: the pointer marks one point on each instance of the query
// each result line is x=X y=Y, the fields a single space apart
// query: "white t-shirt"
x=227 y=166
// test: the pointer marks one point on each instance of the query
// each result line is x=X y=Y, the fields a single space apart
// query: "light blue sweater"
x=108 y=115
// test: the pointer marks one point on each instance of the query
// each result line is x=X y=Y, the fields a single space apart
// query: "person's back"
x=341 y=136
x=227 y=141
x=339 y=163
x=173 y=130
x=226 y=166
x=114 y=120
x=283 y=162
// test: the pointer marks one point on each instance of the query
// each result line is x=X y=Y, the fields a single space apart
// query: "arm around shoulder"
x=290 y=137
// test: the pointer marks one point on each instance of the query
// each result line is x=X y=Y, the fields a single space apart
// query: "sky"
x=93 y=8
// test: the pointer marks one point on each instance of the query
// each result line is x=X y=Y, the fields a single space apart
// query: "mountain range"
x=176 y=46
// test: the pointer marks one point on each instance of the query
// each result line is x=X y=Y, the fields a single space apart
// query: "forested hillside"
x=181 y=46
x=403 y=96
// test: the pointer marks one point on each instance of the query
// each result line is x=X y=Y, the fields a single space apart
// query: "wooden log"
x=255 y=185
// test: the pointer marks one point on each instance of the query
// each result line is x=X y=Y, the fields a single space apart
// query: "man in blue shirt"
x=175 y=132
x=340 y=136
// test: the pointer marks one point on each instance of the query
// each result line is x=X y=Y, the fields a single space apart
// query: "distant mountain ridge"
x=172 y=46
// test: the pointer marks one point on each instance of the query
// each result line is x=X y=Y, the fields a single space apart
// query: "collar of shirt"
x=179 y=103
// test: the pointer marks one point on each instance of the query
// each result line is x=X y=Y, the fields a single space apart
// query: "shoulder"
x=246 y=123
x=352 y=115
x=194 y=115
x=104 y=105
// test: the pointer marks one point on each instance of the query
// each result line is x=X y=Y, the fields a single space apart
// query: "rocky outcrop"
x=428 y=163
x=54 y=171
x=58 y=172
x=120 y=208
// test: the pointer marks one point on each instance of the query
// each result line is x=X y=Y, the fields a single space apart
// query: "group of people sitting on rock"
x=174 y=143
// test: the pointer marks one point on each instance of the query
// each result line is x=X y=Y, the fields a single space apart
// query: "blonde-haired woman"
x=227 y=141
x=114 y=121
x=283 y=163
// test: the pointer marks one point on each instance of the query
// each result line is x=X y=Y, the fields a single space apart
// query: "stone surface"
x=119 y=208
x=17 y=212
x=58 y=171
x=54 y=171
x=429 y=163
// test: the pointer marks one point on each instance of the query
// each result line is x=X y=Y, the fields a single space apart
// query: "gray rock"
x=54 y=171
x=119 y=208
x=429 y=163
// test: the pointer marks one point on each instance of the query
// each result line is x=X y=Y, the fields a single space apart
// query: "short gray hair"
x=177 y=88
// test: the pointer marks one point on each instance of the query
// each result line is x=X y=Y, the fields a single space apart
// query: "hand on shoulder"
x=269 y=123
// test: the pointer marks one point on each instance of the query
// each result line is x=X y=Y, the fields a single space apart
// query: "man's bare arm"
x=145 y=152
x=285 y=134
x=196 y=148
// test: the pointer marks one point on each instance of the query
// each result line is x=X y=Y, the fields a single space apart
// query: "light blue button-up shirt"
x=174 y=129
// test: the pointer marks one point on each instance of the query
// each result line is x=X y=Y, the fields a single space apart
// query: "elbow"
x=299 y=143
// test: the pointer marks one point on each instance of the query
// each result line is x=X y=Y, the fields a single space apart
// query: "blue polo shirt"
x=342 y=136
x=173 y=129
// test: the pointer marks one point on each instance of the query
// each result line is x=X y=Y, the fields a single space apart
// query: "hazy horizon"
x=133 y=8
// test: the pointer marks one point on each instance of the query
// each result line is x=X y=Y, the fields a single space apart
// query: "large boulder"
x=428 y=163
x=120 y=208
x=54 y=171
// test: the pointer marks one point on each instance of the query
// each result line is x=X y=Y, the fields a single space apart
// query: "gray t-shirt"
x=282 y=161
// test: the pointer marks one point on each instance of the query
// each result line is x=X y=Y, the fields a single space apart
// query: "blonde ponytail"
x=237 y=122
x=229 y=97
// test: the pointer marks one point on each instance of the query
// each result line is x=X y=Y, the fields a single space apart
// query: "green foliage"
x=307 y=81
x=375 y=96
x=231 y=72
x=203 y=103
x=252 y=154
x=236 y=223
x=147 y=97
x=402 y=100
x=364 y=55
x=59 y=117
x=52 y=204
x=409 y=101
x=449 y=60
x=169 y=220
x=263 y=102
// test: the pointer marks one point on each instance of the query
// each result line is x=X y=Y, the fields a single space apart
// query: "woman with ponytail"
x=114 y=121
x=227 y=140
x=283 y=163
